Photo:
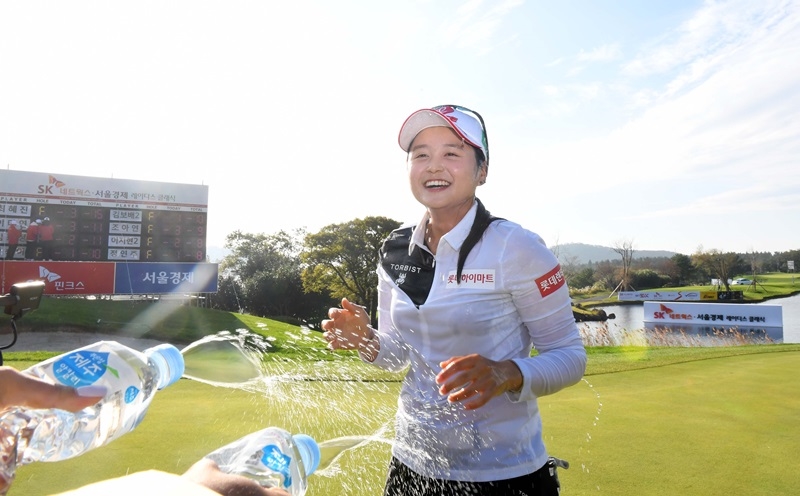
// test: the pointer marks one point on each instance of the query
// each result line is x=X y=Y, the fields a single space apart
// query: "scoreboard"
x=106 y=219
x=84 y=233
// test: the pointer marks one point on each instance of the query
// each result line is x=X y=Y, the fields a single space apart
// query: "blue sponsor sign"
x=160 y=278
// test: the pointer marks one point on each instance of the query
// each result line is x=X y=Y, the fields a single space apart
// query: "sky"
x=667 y=124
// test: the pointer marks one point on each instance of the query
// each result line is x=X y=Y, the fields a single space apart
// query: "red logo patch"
x=550 y=282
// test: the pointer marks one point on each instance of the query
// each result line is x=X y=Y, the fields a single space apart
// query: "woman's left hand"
x=474 y=379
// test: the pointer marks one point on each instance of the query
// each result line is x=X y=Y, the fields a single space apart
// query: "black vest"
x=413 y=273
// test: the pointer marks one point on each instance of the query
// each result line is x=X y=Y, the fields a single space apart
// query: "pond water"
x=630 y=317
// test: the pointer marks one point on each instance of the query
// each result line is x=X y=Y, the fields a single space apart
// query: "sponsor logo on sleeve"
x=550 y=282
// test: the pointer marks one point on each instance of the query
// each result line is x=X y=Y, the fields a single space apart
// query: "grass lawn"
x=714 y=424
x=767 y=286
x=645 y=420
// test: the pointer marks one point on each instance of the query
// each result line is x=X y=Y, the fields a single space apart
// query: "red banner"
x=60 y=278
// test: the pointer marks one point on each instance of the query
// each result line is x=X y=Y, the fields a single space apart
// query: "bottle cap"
x=309 y=452
x=169 y=361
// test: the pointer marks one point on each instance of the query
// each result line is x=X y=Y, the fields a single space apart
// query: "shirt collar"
x=455 y=238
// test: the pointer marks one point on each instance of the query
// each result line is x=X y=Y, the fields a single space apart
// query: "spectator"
x=14 y=233
x=32 y=240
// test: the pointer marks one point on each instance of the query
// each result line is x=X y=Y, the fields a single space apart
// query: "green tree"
x=583 y=278
x=718 y=264
x=266 y=276
x=342 y=259
x=782 y=259
x=227 y=297
x=605 y=275
x=648 y=279
x=682 y=270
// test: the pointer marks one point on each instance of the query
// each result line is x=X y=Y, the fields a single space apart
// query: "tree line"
x=297 y=276
x=697 y=269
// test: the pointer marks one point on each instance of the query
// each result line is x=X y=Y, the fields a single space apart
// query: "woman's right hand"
x=347 y=328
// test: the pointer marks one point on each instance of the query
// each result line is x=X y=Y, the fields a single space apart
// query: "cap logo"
x=467 y=123
x=448 y=110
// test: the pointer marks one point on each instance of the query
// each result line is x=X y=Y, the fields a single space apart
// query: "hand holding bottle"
x=19 y=389
x=130 y=378
x=271 y=457
x=204 y=478
x=208 y=474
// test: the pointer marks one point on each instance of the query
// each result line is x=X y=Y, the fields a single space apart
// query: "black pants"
x=10 y=252
x=402 y=481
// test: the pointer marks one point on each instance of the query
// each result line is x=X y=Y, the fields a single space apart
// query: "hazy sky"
x=672 y=123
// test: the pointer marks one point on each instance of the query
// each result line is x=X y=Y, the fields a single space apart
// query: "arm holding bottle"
x=204 y=478
x=20 y=389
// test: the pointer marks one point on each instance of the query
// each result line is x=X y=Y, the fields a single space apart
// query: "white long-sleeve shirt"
x=512 y=297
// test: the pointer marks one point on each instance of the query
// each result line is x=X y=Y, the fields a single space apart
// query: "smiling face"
x=444 y=171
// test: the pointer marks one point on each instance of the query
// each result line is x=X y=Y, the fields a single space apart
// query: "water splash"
x=332 y=449
x=586 y=449
x=229 y=359
x=304 y=389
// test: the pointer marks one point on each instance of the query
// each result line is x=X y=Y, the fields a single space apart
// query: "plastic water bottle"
x=131 y=378
x=272 y=457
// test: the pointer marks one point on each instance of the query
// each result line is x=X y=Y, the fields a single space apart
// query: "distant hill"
x=581 y=253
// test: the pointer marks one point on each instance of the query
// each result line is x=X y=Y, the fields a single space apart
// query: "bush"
x=648 y=278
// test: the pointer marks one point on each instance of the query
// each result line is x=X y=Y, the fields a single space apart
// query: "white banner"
x=20 y=187
x=659 y=296
x=727 y=314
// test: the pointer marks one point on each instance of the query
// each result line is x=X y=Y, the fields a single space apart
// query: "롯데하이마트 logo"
x=551 y=282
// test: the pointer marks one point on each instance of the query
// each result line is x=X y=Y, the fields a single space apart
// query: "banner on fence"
x=726 y=314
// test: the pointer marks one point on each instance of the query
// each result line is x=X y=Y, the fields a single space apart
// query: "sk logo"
x=46 y=274
x=56 y=182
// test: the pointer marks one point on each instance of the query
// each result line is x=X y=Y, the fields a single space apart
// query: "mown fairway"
x=694 y=423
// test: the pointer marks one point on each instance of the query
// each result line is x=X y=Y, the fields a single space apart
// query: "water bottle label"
x=82 y=368
x=131 y=393
x=275 y=460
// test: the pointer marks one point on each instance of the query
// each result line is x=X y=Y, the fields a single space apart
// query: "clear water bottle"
x=273 y=457
x=131 y=378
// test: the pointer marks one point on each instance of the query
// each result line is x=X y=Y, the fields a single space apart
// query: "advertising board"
x=104 y=219
x=724 y=314
x=100 y=278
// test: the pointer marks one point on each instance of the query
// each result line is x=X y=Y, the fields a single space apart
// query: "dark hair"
x=482 y=220
x=479 y=156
